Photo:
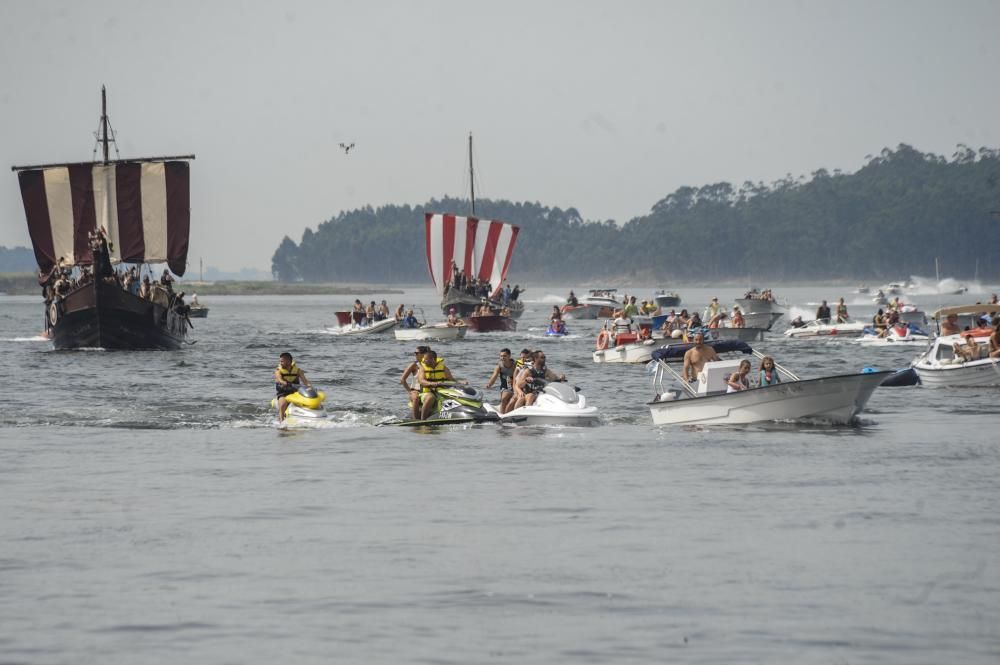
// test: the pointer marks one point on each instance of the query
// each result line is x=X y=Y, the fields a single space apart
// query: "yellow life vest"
x=433 y=373
x=291 y=374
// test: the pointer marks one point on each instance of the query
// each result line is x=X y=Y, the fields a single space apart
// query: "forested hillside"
x=891 y=218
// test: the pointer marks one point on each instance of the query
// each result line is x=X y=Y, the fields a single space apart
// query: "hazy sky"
x=603 y=106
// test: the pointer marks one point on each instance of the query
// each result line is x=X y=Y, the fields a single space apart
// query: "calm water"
x=151 y=512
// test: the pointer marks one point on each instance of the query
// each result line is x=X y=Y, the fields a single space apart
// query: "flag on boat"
x=143 y=207
x=479 y=247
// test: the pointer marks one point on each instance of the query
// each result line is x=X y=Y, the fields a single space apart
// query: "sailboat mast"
x=472 y=179
x=104 y=123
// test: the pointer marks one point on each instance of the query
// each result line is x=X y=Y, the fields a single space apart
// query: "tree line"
x=890 y=219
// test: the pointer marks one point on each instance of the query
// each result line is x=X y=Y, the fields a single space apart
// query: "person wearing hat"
x=714 y=309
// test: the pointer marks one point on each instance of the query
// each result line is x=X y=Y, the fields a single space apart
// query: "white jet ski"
x=557 y=404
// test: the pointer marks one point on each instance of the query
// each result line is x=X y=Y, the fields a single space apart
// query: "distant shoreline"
x=25 y=284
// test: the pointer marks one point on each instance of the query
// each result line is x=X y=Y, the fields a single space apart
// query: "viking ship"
x=474 y=248
x=93 y=216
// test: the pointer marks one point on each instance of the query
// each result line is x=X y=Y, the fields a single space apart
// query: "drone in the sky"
x=347 y=147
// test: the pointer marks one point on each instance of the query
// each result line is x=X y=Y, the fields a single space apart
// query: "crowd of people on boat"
x=479 y=288
x=701 y=353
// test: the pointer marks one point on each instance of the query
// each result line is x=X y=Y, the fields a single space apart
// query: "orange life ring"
x=603 y=339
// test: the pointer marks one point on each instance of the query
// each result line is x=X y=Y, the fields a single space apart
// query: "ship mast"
x=104 y=122
x=472 y=179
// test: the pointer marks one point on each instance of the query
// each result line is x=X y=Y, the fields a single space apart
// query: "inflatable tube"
x=902 y=377
x=603 y=339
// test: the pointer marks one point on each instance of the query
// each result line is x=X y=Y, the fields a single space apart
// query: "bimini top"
x=675 y=351
x=966 y=309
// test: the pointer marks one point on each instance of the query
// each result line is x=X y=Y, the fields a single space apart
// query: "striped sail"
x=143 y=207
x=480 y=247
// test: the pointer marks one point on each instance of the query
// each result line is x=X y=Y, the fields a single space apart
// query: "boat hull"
x=985 y=372
x=667 y=300
x=741 y=334
x=482 y=324
x=640 y=352
x=580 y=311
x=100 y=315
x=836 y=400
x=385 y=325
x=198 y=313
x=436 y=333
x=465 y=304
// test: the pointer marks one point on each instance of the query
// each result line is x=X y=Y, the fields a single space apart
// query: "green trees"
x=888 y=220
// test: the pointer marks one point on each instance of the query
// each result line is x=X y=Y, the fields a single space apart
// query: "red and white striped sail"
x=480 y=247
x=143 y=207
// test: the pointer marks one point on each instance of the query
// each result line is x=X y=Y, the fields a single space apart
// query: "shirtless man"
x=995 y=341
x=696 y=357
x=950 y=325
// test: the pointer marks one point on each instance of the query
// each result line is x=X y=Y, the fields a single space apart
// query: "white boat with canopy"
x=950 y=361
x=834 y=399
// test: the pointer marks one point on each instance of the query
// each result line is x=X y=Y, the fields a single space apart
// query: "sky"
x=606 y=107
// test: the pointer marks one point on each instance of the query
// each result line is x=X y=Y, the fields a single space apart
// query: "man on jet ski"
x=413 y=389
x=532 y=379
x=287 y=379
x=430 y=375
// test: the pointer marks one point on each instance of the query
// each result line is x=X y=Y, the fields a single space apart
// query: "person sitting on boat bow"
x=287 y=379
x=531 y=381
x=696 y=357
x=453 y=319
x=739 y=380
x=432 y=374
x=572 y=301
x=797 y=322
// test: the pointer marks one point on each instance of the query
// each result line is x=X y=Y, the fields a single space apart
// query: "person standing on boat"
x=714 y=309
x=287 y=379
x=431 y=374
x=504 y=371
x=823 y=313
x=696 y=357
x=995 y=340
x=768 y=375
x=410 y=386
x=841 y=312
x=950 y=325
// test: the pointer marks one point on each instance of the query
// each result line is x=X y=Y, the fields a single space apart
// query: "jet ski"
x=305 y=407
x=456 y=404
x=556 y=329
x=556 y=404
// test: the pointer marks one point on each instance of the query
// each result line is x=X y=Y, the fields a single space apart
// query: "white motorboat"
x=895 y=335
x=834 y=399
x=623 y=346
x=940 y=366
x=814 y=329
x=667 y=299
x=604 y=299
x=436 y=331
x=557 y=404
x=385 y=325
